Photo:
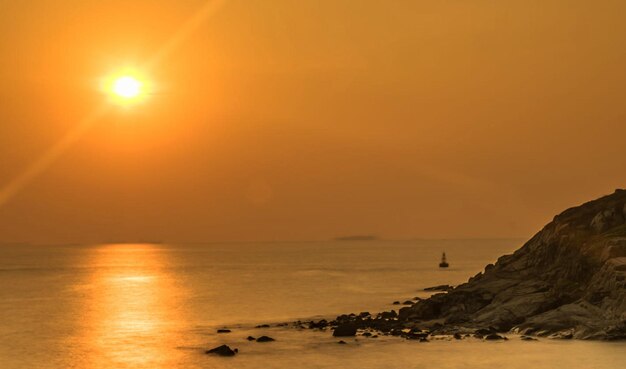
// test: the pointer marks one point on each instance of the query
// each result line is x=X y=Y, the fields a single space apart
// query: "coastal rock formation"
x=568 y=281
x=570 y=278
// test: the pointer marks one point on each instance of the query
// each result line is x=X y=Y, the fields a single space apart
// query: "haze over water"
x=158 y=306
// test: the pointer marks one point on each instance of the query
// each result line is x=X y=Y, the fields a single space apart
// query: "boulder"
x=222 y=350
x=345 y=330
x=265 y=339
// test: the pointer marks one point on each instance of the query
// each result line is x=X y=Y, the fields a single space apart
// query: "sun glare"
x=127 y=87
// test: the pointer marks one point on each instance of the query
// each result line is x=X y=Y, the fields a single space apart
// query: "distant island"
x=357 y=238
x=568 y=281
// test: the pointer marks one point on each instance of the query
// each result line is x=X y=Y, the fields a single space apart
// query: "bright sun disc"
x=127 y=87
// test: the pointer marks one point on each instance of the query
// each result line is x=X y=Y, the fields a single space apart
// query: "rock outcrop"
x=569 y=279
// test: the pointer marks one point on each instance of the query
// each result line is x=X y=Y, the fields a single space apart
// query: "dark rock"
x=265 y=339
x=223 y=331
x=250 y=338
x=396 y=302
x=342 y=342
x=262 y=326
x=318 y=325
x=407 y=302
x=458 y=336
x=416 y=335
x=388 y=314
x=345 y=330
x=222 y=350
x=483 y=332
x=494 y=337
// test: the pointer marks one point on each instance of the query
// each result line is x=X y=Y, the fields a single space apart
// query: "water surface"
x=158 y=306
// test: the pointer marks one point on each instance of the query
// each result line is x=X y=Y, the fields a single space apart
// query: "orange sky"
x=293 y=120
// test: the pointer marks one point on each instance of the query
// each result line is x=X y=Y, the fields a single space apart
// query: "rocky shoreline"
x=568 y=281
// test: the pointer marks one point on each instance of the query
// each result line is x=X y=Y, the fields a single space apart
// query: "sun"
x=127 y=87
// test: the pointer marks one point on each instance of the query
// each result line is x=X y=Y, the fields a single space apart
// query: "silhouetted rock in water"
x=265 y=339
x=345 y=330
x=223 y=331
x=262 y=326
x=443 y=287
x=223 y=350
x=319 y=325
x=250 y=338
x=342 y=342
x=568 y=281
x=396 y=302
x=494 y=337
x=408 y=302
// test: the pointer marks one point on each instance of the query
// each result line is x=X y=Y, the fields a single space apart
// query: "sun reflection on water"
x=133 y=317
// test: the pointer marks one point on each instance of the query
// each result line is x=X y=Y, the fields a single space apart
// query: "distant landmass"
x=357 y=238
x=568 y=281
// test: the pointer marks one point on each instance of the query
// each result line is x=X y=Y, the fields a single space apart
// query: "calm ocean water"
x=158 y=306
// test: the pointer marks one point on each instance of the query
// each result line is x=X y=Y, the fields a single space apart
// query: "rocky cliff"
x=569 y=280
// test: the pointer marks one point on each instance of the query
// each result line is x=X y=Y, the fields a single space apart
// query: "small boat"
x=444 y=262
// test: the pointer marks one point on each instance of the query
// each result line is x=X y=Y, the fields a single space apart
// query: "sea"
x=160 y=306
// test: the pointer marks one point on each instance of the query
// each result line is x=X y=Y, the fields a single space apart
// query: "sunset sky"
x=294 y=120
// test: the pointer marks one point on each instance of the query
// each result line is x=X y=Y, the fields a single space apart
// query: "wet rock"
x=388 y=314
x=250 y=338
x=345 y=330
x=458 y=336
x=262 y=326
x=407 y=302
x=318 y=325
x=223 y=331
x=342 y=342
x=494 y=337
x=483 y=332
x=396 y=302
x=222 y=350
x=265 y=339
